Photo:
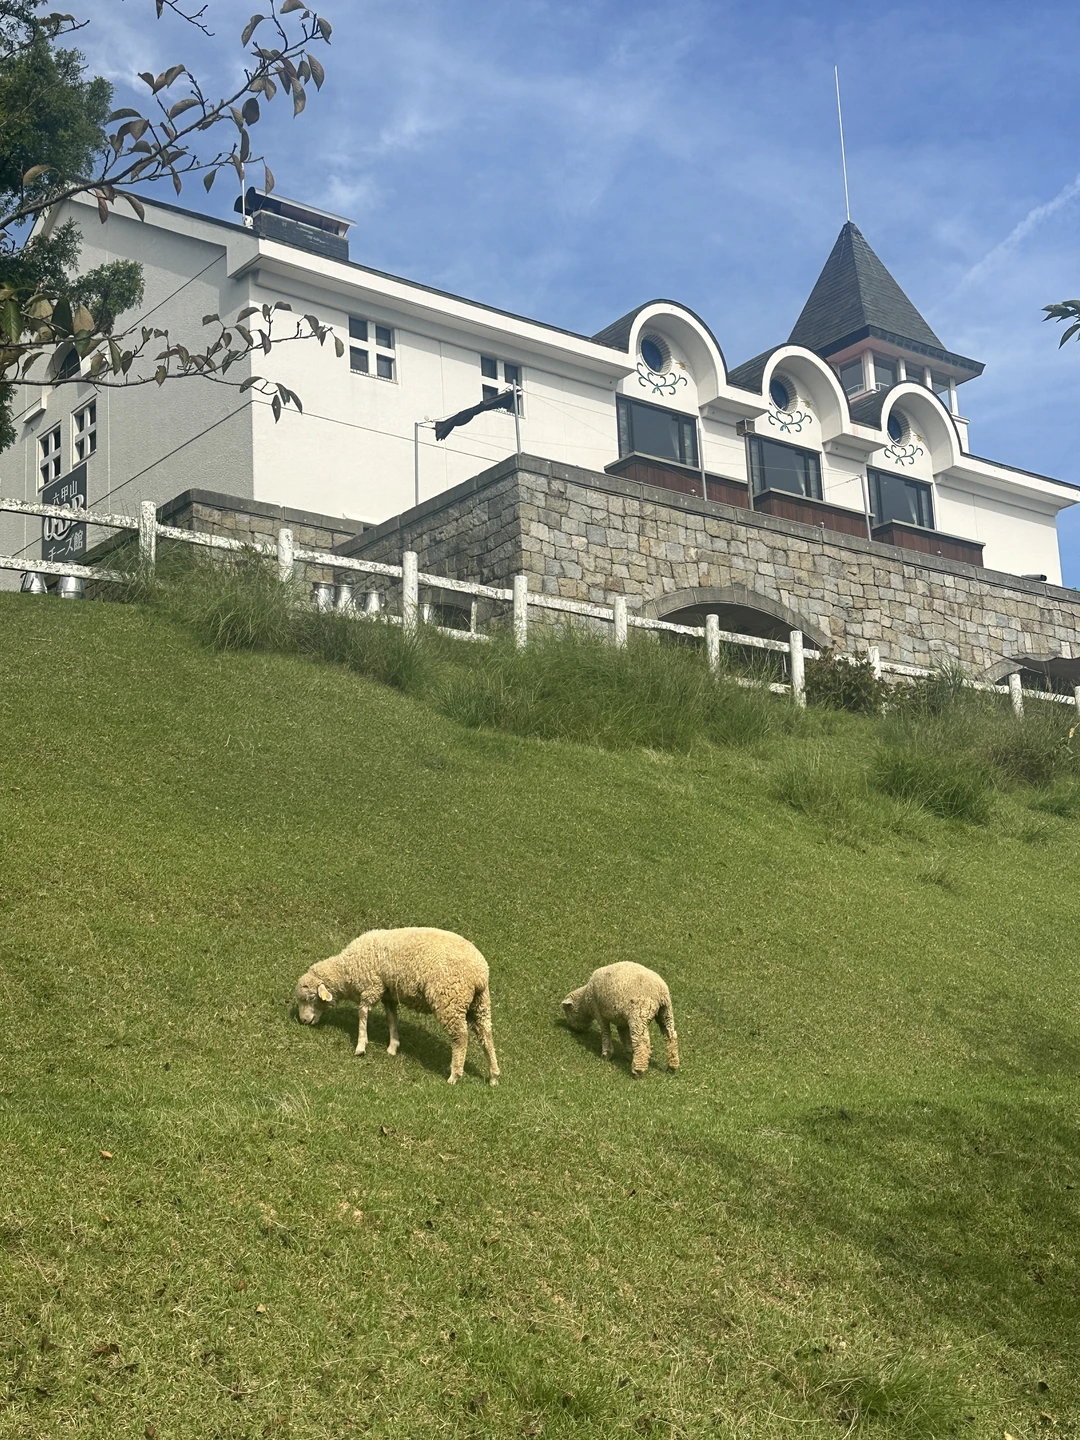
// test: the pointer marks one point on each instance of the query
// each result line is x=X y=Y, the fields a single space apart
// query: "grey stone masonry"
x=254 y=521
x=589 y=536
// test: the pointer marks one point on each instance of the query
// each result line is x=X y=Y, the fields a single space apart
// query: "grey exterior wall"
x=590 y=536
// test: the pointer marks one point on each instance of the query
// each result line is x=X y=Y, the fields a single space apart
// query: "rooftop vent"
x=293 y=223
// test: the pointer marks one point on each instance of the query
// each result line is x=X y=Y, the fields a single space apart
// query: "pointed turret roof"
x=855 y=297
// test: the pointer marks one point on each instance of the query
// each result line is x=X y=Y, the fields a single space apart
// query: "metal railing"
x=521 y=599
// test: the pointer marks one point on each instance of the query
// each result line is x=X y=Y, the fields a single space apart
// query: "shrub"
x=938 y=694
x=839 y=684
x=954 y=788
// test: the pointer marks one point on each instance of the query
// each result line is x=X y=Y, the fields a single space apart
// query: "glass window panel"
x=851 y=376
x=884 y=372
x=916 y=372
x=656 y=433
x=512 y=374
x=626 y=438
x=896 y=498
x=489 y=367
x=783 y=467
x=490 y=391
x=384 y=336
x=357 y=328
x=939 y=384
x=385 y=366
x=358 y=360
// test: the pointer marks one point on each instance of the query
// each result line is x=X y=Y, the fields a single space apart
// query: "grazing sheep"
x=433 y=971
x=627 y=996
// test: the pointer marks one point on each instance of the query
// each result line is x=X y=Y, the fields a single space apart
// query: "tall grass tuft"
x=572 y=685
x=370 y=646
x=233 y=601
x=954 y=788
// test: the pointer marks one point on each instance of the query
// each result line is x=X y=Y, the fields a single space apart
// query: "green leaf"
x=250 y=111
x=248 y=383
x=249 y=310
x=123 y=114
x=299 y=99
x=250 y=28
x=326 y=30
x=136 y=205
x=208 y=179
x=318 y=74
x=288 y=6
x=209 y=319
x=268 y=178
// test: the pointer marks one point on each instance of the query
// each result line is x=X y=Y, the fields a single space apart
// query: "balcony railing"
x=929 y=542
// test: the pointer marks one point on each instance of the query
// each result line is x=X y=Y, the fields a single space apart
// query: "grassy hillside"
x=853 y=1209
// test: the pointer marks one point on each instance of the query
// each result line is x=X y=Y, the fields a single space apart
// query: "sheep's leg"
x=665 y=1018
x=639 y=1036
x=361 y=1028
x=391 y=1020
x=605 y=1039
x=458 y=1031
x=488 y=1042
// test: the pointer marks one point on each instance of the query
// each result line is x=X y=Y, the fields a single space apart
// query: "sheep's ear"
x=325 y=995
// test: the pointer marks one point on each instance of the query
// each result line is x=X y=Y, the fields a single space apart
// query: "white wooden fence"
x=521 y=599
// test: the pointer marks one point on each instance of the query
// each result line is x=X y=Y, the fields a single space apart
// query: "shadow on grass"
x=428 y=1048
x=969 y=1210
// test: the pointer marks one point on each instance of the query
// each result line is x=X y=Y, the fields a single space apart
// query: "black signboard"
x=64 y=539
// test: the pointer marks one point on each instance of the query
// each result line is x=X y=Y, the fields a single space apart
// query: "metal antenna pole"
x=843 y=155
x=517 y=421
x=416 y=461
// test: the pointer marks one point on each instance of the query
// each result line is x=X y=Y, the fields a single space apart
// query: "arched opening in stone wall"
x=739 y=609
x=1046 y=671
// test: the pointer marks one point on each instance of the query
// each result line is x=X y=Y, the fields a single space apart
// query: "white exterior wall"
x=351 y=452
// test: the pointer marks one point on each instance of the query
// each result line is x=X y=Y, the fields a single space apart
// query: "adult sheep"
x=627 y=996
x=433 y=971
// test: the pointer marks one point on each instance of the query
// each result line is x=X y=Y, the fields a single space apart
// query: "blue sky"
x=570 y=160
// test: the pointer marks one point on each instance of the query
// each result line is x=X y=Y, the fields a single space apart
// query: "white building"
x=858 y=411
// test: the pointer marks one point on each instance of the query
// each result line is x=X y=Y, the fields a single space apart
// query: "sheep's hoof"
x=359 y=1054
x=452 y=1080
x=494 y=1080
x=391 y=1049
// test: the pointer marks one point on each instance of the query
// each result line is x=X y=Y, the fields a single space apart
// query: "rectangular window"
x=361 y=361
x=915 y=372
x=894 y=497
x=49 y=456
x=649 y=430
x=511 y=374
x=940 y=386
x=884 y=373
x=775 y=466
x=85 y=424
x=851 y=376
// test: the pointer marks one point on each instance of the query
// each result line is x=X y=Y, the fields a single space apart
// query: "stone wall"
x=589 y=536
x=254 y=521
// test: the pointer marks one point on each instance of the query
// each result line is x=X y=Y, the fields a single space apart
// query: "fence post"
x=712 y=642
x=472 y=616
x=285 y=559
x=1076 y=698
x=410 y=592
x=874 y=656
x=618 y=617
x=147 y=535
x=1016 y=695
x=798 y=667
x=521 y=611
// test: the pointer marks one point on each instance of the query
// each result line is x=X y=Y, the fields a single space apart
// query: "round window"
x=897 y=427
x=655 y=353
x=780 y=395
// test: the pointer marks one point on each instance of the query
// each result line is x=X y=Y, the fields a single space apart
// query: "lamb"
x=433 y=971
x=627 y=996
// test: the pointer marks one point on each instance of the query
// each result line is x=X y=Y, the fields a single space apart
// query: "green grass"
x=852 y=1211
